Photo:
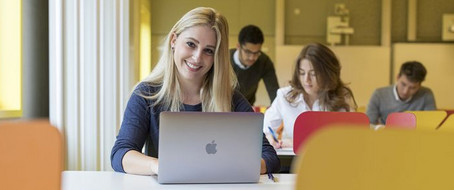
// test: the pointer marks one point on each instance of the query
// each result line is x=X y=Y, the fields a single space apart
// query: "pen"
x=270 y=176
x=273 y=134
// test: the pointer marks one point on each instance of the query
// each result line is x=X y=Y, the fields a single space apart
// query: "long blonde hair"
x=219 y=83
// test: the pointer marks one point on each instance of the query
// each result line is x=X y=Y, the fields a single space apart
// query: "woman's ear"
x=173 y=40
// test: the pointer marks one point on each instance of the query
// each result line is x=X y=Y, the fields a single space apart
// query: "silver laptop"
x=210 y=147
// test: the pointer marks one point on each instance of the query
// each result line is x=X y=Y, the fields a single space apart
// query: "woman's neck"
x=310 y=99
x=190 y=92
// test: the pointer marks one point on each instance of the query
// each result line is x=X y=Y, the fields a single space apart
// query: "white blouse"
x=282 y=111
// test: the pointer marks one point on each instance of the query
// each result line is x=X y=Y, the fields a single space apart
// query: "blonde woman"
x=193 y=74
x=315 y=86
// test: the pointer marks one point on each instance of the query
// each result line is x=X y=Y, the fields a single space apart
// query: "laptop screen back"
x=210 y=147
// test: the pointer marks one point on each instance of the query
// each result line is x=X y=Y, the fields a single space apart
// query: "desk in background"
x=285 y=152
x=286 y=156
x=87 y=180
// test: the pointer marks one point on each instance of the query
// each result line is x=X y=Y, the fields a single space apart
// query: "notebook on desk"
x=210 y=147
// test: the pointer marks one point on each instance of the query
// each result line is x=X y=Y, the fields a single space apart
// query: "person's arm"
x=270 y=80
x=271 y=161
x=373 y=109
x=135 y=162
x=126 y=153
x=272 y=116
x=262 y=166
x=273 y=120
x=429 y=101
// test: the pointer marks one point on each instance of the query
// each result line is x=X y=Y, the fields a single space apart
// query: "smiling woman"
x=194 y=55
x=193 y=74
x=10 y=59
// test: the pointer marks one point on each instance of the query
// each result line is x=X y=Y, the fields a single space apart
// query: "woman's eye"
x=209 y=51
x=190 y=44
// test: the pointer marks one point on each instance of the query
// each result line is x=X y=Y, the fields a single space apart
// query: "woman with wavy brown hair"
x=315 y=86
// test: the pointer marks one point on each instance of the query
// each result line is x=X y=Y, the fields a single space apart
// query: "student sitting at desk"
x=315 y=86
x=406 y=94
x=193 y=74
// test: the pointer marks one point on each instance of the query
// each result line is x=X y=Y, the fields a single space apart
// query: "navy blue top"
x=141 y=124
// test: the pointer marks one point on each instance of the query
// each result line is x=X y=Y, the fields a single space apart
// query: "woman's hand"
x=274 y=143
x=262 y=166
x=137 y=163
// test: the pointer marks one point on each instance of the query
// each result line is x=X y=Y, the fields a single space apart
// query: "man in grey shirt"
x=406 y=95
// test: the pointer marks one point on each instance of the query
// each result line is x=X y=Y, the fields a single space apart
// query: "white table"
x=285 y=152
x=86 y=180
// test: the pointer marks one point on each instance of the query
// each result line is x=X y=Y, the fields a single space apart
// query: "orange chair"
x=401 y=120
x=429 y=120
x=356 y=159
x=309 y=122
x=31 y=155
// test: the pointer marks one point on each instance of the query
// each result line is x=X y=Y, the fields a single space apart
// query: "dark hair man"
x=406 y=95
x=252 y=65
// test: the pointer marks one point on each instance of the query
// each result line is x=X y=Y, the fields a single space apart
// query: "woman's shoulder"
x=238 y=97
x=146 y=88
x=284 y=90
x=142 y=95
x=240 y=103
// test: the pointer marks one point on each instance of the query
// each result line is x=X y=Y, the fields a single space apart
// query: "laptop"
x=210 y=147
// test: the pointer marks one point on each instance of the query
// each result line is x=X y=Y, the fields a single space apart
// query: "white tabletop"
x=285 y=151
x=86 y=180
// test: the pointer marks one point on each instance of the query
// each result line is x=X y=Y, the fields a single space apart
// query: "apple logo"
x=211 y=148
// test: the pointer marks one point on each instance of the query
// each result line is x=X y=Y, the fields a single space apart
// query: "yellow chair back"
x=448 y=125
x=361 y=109
x=31 y=155
x=429 y=120
x=356 y=158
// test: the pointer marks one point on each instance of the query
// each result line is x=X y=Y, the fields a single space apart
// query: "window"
x=10 y=58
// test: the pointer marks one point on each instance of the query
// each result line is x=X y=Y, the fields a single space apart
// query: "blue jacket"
x=141 y=124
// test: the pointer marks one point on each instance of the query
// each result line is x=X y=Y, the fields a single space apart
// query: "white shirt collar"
x=315 y=107
x=236 y=59
x=397 y=95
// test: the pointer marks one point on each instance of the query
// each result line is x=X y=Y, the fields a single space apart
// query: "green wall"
x=165 y=13
x=310 y=24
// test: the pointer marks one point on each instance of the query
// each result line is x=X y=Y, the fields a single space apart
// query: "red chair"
x=311 y=121
x=402 y=120
x=256 y=108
